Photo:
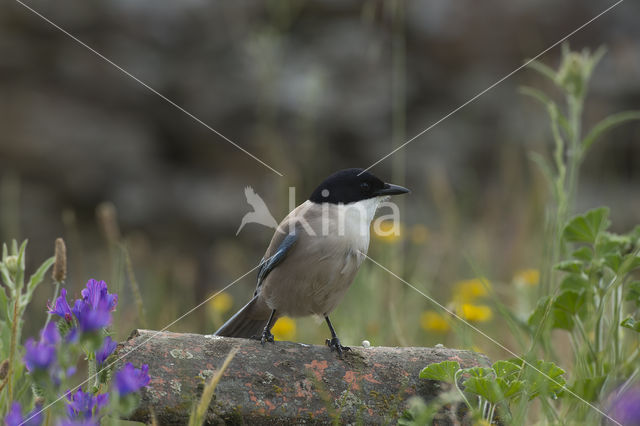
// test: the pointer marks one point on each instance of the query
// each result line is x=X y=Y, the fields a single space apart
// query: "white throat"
x=354 y=219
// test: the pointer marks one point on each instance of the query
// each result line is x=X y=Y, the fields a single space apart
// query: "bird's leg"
x=334 y=342
x=266 y=333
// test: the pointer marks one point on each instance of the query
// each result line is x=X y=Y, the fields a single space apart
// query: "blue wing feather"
x=267 y=265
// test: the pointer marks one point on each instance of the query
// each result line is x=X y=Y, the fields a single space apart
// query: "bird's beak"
x=391 y=189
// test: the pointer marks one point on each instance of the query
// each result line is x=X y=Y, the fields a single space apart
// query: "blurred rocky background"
x=309 y=87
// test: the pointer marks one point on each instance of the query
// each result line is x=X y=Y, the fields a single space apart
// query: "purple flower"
x=105 y=351
x=626 y=407
x=39 y=356
x=84 y=405
x=14 y=417
x=50 y=334
x=131 y=379
x=79 y=422
x=90 y=319
x=98 y=297
x=93 y=311
x=62 y=308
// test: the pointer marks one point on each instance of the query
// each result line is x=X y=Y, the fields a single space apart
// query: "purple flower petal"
x=626 y=407
x=81 y=422
x=93 y=311
x=50 y=334
x=61 y=307
x=130 y=379
x=38 y=356
x=98 y=297
x=14 y=417
x=105 y=351
x=85 y=405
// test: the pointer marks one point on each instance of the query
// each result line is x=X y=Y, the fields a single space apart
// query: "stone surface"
x=283 y=382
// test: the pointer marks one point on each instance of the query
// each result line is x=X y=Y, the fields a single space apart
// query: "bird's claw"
x=266 y=337
x=334 y=345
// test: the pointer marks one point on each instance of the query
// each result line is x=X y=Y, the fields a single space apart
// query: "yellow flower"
x=419 y=234
x=527 y=276
x=433 y=321
x=284 y=329
x=221 y=303
x=387 y=230
x=476 y=313
x=469 y=290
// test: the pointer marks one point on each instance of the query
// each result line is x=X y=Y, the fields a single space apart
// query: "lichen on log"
x=283 y=382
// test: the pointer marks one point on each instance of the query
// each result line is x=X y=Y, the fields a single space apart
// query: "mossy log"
x=283 y=382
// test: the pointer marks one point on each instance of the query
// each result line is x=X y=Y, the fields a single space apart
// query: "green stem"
x=615 y=328
x=56 y=289
x=455 y=382
x=91 y=371
x=13 y=344
x=583 y=334
x=575 y=150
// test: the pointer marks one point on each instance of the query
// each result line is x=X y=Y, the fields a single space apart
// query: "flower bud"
x=4 y=369
x=60 y=265
x=108 y=218
x=12 y=264
x=574 y=72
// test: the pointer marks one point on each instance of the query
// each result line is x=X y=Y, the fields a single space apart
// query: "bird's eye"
x=364 y=186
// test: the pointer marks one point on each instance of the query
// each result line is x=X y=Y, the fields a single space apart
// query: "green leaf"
x=38 y=276
x=574 y=266
x=613 y=261
x=510 y=389
x=21 y=265
x=536 y=316
x=562 y=319
x=631 y=324
x=585 y=228
x=570 y=301
x=6 y=277
x=583 y=253
x=629 y=263
x=4 y=305
x=612 y=243
x=480 y=372
x=444 y=371
x=536 y=94
x=544 y=70
x=633 y=292
x=607 y=124
x=575 y=282
x=21 y=257
x=505 y=369
x=485 y=387
x=545 y=380
x=545 y=169
x=589 y=388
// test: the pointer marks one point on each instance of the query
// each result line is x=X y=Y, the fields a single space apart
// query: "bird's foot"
x=334 y=345
x=266 y=337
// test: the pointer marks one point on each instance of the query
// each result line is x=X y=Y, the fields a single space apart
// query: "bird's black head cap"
x=348 y=186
